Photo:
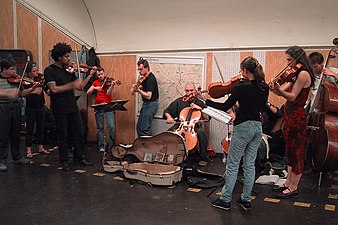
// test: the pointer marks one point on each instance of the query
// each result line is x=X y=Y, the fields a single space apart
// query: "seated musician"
x=173 y=112
x=103 y=90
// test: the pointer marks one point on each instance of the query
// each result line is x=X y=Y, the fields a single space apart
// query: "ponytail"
x=252 y=65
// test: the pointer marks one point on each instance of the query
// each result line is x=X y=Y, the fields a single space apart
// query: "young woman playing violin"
x=251 y=97
x=35 y=113
x=10 y=114
x=103 y=90
x=295 y=92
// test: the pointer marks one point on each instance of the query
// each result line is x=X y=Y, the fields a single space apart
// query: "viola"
x=220 y=89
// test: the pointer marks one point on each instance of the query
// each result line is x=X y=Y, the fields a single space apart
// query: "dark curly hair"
x=59 y=50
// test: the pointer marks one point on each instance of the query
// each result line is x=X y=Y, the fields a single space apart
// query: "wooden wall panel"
x=243 y=55
x=121 y=68
x=27 y=26
x=6 y=21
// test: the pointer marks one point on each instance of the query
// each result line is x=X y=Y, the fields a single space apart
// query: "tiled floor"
x=43 y=194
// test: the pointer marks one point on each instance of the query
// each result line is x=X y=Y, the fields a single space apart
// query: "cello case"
x=159 y=158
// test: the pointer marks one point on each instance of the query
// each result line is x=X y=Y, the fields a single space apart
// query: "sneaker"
x=203 y=163
x=101 y=150
x=246 y=205
x=3 y=167
x=218 y=203
x=82 y=163
x=21 y=161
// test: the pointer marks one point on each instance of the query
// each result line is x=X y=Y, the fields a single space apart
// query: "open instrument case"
x=159 y=159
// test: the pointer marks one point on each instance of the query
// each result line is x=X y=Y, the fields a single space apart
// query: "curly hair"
x=59 y=50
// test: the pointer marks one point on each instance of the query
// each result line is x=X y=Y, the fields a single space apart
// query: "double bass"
x=324 y=119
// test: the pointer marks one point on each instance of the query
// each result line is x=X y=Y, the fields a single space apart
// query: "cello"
x=324 y=125
x=188 y=119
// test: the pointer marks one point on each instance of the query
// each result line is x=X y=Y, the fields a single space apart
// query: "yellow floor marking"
x=330 y=207
x=253 y=197
x=99 y=174
x=172 y=187
x=45 y=165
x=334 y=186
x=273 y=200
x=35 y=154
x=302 y=204
x=31 y=162
x=80 y=171
x=219 y=193
x=118 y=178
x=59 y=168
x=333 y=196
x=194 y=190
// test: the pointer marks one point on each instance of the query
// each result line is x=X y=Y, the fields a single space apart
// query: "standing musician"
x=10 y=115
x=103 y=90
x=247 y=131
x=295 y=117
x=35 y=114
x=173 y=111
x=148 y=89
x=63 y=105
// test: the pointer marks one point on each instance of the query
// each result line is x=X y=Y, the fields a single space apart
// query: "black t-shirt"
x=64 y=102
x=251 y=100
x=35 y=101
x=150 y=84
x=176 y=106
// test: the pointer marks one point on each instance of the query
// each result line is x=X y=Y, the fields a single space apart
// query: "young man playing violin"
x=147 y=87
x=175 y=108
x=103 y=89
x=10 y=115
x=35 y=114
x=62 y=85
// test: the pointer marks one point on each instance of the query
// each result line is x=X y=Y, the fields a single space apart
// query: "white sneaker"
x=101 y=150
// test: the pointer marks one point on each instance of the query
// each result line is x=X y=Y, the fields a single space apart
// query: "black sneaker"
x=65 y=167
x=218 y=203
x=82 y=163
x=21 y=161
x=244 y=204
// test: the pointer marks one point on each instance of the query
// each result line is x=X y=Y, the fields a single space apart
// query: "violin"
x=16 y=79
x=108 y=81
x=220 y=89
x=72 y=68
x=139 y=82
x=288 y=75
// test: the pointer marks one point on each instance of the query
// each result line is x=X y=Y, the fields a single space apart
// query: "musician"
x=10 y=115
x=148 y=89
x=247 y=131
x=63 y=105
x=317 y=64
x=103 y=90
x=173 y=111
x=295 y=117
x=35 y=114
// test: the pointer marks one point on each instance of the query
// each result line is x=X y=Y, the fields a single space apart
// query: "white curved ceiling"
x=122 y=26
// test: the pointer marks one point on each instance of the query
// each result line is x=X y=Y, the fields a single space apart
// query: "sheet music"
x=217 y=114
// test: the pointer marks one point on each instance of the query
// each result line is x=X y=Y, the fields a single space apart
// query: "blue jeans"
x=99 y=117
x=147 y=114
x=246 y=138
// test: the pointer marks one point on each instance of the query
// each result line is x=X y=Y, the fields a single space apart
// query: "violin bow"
x=78 y=64
x=23 y=74
x=219 y=70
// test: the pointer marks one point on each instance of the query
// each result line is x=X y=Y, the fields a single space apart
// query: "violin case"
x=159 y=159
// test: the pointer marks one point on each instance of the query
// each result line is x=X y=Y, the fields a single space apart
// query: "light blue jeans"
x=245 y=140
x=147 y=114
x=99 y=117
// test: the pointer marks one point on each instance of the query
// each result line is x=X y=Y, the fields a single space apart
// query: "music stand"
x=110 y=106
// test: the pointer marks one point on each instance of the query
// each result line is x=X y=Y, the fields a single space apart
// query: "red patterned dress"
x=295 y=134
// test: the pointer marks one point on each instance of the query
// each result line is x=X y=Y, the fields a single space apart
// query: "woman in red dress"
x=295 y=92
